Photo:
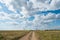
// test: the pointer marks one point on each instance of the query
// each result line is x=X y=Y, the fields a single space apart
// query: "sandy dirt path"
x=34 y=36
x=29 y=36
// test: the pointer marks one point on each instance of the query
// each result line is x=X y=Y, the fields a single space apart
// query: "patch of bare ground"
x=29 y=36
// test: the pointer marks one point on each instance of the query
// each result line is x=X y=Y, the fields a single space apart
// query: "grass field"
x=12 y=35
x=41 y=35
x=48 y=35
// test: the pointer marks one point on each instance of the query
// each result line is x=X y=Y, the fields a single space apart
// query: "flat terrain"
x=30 y=35
x=48 y=35
x=12 y=35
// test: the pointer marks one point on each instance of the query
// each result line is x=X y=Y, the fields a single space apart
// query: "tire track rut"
x=30 y=36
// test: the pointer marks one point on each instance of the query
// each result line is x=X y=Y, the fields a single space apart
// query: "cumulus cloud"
x=58 y=16
x=7 y=3
x=30 y=5
x=3 y=16
x=24 y=10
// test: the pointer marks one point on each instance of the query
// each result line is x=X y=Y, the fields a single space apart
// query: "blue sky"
x=29 y=14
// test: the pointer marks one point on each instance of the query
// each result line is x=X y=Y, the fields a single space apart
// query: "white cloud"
x=58 y=16
x=40 y=21
x=49 y=16
x=55 y=4
x=24 y=11
x=27 y=9
x=3 y=16
x=7 y=3
x=7 y=16
x=32 y=5
x=43 y=21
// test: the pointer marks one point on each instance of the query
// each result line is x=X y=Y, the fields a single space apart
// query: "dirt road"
x=29 y=36
x=34 y=36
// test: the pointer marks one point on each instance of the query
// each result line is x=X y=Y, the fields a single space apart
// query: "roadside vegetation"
x=12 y=35
x=48 y=35
x=40 y=34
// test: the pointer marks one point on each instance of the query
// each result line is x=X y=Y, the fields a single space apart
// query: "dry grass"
x=41 y=35
x=48 y=35
x=12 y=35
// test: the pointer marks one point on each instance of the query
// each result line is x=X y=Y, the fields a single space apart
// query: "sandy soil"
x=34 y=37
x=29 y=36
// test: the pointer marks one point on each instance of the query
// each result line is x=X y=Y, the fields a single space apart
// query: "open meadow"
x=48 y=35
x=12 y=35
x=30 y=35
